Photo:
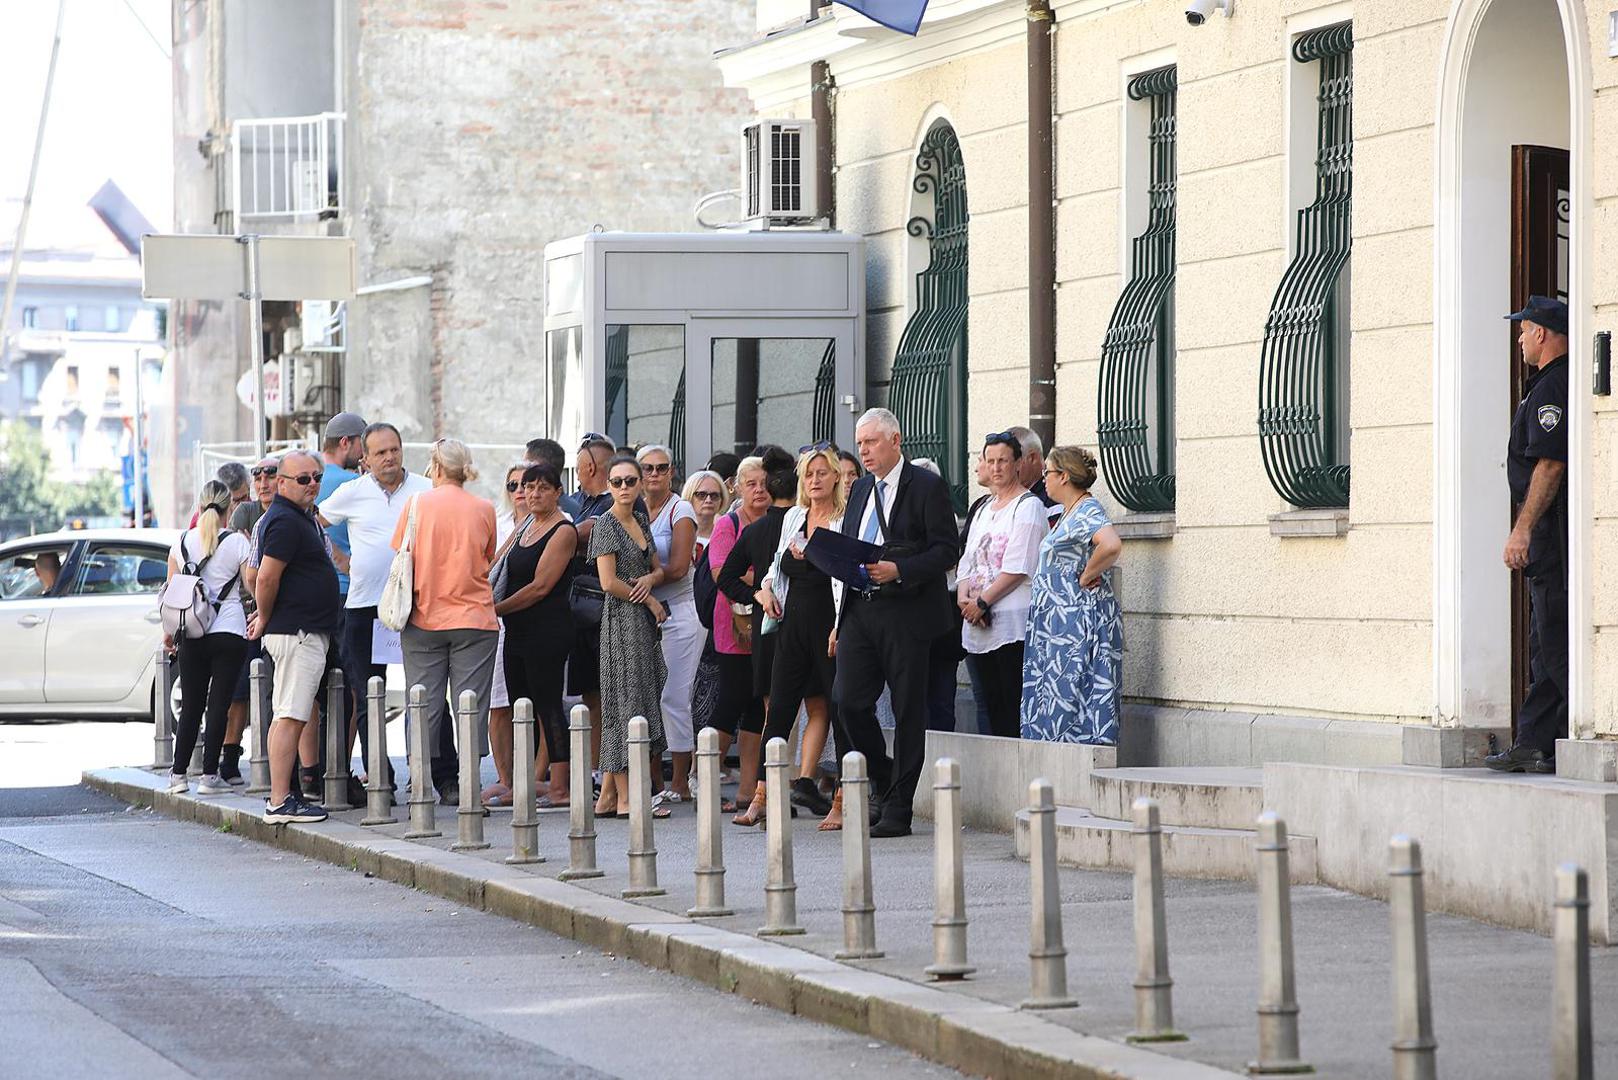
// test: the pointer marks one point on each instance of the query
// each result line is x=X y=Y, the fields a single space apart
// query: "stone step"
x=1097 y=843
x=1207 y=797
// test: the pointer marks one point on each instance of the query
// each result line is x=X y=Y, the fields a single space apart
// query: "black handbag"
x=585 y=599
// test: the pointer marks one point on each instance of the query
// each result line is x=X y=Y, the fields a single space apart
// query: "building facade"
x=452 y=142
x=1281 y=244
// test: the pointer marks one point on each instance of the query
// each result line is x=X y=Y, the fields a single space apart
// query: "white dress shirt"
x=890 y=491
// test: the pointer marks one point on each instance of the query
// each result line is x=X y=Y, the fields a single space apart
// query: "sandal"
x=496 y=794
x=727 y=806
x=545 y=802
x=834 y=817
x=661 y=812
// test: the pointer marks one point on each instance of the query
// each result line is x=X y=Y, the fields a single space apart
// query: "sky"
x=109 y=115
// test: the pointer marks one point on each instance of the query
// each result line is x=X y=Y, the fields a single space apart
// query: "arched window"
x=1136 y=397
x=928 y=392
x=1303 y=374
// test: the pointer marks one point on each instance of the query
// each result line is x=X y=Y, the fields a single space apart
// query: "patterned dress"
x=1075 y=641
x=632 y=668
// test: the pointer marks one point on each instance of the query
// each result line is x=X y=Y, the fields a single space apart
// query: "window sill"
x=1156 y=526
x=1307 y=523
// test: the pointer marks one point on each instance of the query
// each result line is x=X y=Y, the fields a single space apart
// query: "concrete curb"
x=977 y=1037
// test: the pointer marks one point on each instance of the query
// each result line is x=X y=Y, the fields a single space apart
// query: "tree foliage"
x=31 y=500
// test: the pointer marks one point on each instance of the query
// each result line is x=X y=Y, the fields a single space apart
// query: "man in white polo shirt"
x=371 y=505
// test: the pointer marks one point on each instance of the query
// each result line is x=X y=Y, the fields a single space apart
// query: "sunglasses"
x=593 y=438
x=266 y=470
x=624 y=481
x=706 y=495
x=815 y=448
x=302 y=479
x=658 y=469
x=1055 y=472
x=513 y=485
x=1000 y=438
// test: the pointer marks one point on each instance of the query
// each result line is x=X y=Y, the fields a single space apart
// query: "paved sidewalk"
x=1492 y=986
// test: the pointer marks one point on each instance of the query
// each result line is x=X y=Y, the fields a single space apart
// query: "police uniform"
x=1539 y=432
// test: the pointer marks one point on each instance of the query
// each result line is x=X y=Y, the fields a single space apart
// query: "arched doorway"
x=1512 y=127
x=928 y=391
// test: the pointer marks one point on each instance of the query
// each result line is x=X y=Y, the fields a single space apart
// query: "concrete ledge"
x=965 y=1033
x=1594 y=760
x=1491 y=841
x=1302 y=523
x=1452 y=748
x=1157 y=735
x=995 y=774
x=1155 y=526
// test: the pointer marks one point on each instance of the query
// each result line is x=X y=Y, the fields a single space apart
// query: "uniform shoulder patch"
x=1550 y=416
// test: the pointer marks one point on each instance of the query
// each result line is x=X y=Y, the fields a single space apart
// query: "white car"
x=79 y=629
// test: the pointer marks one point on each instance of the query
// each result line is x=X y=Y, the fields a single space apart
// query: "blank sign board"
x=208 y=267
x=769 y=281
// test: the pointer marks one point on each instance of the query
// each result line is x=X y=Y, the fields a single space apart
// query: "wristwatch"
x=982 y=606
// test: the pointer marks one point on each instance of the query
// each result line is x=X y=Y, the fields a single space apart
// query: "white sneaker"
x=178 y=785
x=212 y=785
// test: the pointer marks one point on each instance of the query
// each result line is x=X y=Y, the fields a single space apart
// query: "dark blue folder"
x=842 y=557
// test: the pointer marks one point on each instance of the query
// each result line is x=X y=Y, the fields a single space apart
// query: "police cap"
x=1543 y=311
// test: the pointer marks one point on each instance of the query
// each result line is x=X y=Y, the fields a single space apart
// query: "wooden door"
x=1539 y=260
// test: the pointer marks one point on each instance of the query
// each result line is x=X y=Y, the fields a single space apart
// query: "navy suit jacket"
x=921 y=540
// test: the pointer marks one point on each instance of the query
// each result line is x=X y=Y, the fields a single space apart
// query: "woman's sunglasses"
x=513 y=485
x=706 y=495
x=657 y=468
x=624 y=481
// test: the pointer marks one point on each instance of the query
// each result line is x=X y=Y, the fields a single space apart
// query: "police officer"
x=1536 y=469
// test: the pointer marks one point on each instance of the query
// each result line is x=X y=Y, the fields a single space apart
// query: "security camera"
x=1197 y=11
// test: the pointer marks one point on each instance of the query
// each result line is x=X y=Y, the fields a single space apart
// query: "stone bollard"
x=379 y=788
x=258 y=719
x=337 y=759
x=780 y=889
x=1154 y=990
x=1277 y=1004
x=642 y=847
x=949 y=883
x=1572 y=1051
x=581 y=813
x=420 y=741
x=1415 y=1052
x=163 y=711
x=469 y=815
x=859 y=905
x=710 y=830
x=1047 y=956
x=524 y=816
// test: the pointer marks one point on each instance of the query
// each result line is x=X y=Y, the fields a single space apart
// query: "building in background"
x=452 y=141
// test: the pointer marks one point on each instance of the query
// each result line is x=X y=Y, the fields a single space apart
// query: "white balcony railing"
x=287 y=168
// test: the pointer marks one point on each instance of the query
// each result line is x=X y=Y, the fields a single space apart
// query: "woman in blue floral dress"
x=1075 y=644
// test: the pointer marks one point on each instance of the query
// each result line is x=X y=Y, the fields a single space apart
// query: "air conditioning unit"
x=778 y=172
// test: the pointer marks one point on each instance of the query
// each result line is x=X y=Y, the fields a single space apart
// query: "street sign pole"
x=255 y=326
x=137 y=486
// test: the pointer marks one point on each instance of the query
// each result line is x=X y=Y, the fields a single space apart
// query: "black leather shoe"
x=884 y=829
x=357 y=794
x=876 y=815
x=1518 y=759
x=1546 y=767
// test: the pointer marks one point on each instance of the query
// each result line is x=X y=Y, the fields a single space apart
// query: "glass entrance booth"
x=705 y=341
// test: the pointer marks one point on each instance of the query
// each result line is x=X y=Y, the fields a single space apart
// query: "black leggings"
x=209 y=666
x=534 y=670
x=999 y=673
x=797 y=670
x=737 y=708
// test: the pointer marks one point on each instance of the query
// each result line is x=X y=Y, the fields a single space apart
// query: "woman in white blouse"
x=1002 y=549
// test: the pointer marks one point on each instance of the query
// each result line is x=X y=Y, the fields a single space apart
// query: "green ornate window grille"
x=677 y=427
x=1303 y=415
x=928 y=391
x=1136 y=397
x=824 y=423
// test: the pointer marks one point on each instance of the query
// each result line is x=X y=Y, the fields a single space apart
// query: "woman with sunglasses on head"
x=991 y=587
x=209 y=664
x=509 y=511
x=801 y=598
x=538 y=620
x=740 y=575
x=632 y=668
x=705 y=491
x=1075 y=640
x=738 y=712
x=674 y=531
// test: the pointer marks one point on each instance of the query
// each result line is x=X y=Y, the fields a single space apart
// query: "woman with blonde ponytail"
x=209 y=664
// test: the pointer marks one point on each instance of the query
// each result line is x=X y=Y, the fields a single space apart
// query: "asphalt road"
x=136 y=946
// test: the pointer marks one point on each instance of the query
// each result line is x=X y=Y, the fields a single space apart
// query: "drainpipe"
x=1041 y=229
x=821 y=87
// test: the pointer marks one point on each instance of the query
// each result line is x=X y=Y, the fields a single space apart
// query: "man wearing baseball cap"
x=340 y=451
x=1536 y=469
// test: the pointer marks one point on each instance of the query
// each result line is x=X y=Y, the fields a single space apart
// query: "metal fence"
x=288 y=167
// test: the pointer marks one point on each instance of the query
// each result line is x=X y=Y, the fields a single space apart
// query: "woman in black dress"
x=800 y=596
x=739 y=578
x=539 y=623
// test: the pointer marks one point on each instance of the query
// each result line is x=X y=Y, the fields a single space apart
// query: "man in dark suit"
x=884 y=632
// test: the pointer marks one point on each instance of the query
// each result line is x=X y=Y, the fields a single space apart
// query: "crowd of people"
x=695 y=602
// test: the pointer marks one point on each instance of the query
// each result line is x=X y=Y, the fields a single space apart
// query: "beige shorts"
x=300 y=664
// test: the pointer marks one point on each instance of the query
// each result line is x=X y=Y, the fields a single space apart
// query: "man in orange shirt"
x=449 y=643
